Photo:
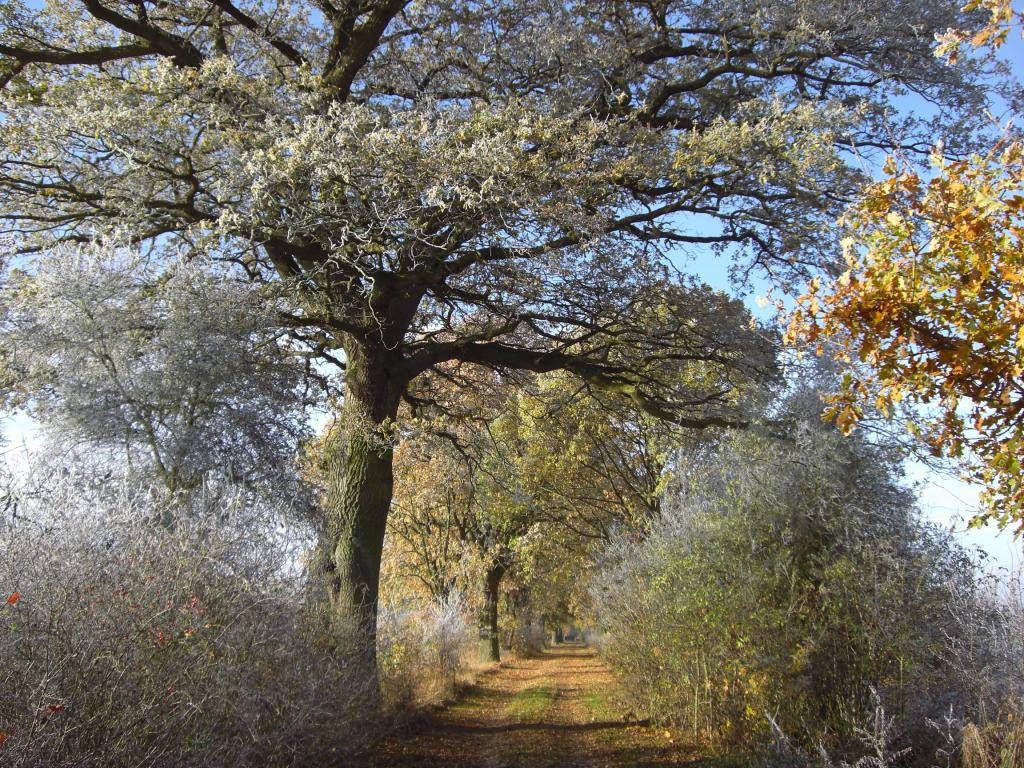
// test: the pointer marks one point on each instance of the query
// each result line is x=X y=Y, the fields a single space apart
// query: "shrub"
x=137 y=632
x=425 y=650
x=792 y=580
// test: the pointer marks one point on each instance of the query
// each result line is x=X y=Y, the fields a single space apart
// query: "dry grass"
x=183 y=643
x=997 y=744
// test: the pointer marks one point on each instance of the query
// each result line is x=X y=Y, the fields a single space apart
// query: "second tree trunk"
x=490 y=641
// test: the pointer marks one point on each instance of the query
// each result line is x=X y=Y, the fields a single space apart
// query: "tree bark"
x=358 y=470
x=490 y=645
x=512 y=613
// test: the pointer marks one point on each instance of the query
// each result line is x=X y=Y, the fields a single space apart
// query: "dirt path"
x=554 y=710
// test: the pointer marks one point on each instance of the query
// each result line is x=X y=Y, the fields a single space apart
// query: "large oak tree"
x=486 y=183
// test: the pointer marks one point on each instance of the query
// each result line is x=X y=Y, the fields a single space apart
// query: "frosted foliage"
x=469 y=125
x=185 y=644
x=183 y=374
x=490 y=183
x=355 y=176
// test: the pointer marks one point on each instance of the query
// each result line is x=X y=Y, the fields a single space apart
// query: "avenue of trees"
x=428 y=184
x=371 y=339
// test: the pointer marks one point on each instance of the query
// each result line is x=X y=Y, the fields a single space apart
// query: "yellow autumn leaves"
x=932 y=305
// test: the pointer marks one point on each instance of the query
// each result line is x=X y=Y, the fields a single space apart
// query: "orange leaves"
x=932 y=305
x=14 y=598
x=994 y=34
x=845 y=418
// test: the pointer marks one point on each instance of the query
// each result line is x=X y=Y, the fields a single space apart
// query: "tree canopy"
x=172 y=368
x=931 y=305
x=488 y=184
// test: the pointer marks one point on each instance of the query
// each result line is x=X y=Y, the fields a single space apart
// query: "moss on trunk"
x=359 y=480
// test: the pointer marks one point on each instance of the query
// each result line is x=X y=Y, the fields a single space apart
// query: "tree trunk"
x=512 y=613
x=359 y=484
x=490 y=645
x=359 y=496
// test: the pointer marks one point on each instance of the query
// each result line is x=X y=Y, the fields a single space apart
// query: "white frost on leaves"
x=176 y=365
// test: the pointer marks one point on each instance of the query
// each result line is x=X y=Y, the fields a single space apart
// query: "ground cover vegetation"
x=370 y=342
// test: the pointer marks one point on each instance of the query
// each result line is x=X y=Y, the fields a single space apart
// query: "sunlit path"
x=553 y=710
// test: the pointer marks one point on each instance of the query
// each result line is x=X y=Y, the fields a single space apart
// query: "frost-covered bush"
x=138 y=634
x=876 y=738
x=997 y=743
x=791 y=581
x=424 y=649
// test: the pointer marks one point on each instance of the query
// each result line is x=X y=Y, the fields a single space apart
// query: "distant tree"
x=428 y=541
x=525 y=476
x=931 y=306
x=592 y=461
x=170 y=372
x=454 y=508
x=482 y=183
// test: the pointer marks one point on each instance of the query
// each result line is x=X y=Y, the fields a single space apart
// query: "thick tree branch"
x=352 y=47
x=610 y=378
x=89 y=57
x=281 y=46
x=179 y=49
